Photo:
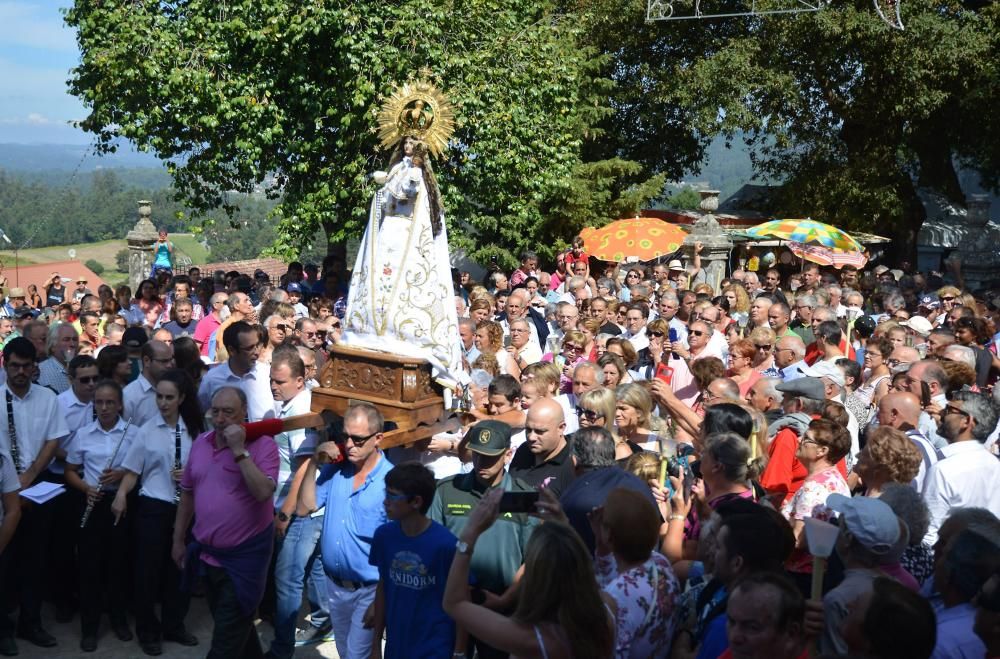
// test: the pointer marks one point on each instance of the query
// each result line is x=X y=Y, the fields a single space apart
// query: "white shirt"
x=37 y=419
x=256 y=384
x=93 y=447
x=568 y=404
x=153 y=458
x=140 y=401
x=77 y=416
x=292 y=444
x=9 y=482
x=52 y=373
x=966 y=477
x=928 y=458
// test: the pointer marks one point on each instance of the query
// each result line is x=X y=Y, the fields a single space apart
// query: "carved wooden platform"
x=400 y=387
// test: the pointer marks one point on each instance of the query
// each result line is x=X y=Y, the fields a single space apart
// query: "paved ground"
x=199 y=623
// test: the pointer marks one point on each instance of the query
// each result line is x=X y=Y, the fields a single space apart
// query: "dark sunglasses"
x=359 y=441
x=765 y=348
x=589 y=415
x=658 y=335
x=90 y=379
x=696 y=333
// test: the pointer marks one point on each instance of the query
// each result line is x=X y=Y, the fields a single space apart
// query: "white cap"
x=826 y=369
x=918 y=324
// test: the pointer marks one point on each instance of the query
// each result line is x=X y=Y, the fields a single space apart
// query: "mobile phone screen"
x=518 y=502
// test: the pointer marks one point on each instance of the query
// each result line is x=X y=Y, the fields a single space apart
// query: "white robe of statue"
x=401 y=298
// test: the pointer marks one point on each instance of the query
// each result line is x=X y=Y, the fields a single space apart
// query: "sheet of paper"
x=43 y=492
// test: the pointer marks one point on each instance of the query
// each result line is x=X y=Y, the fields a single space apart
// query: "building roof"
x=273 y=267
x=40 y=274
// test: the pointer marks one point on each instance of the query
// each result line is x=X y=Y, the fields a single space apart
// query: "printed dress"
x=645 y=597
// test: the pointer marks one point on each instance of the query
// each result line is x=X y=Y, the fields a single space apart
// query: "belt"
x=352 y=586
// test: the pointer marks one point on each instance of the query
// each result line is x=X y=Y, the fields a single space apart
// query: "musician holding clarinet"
x=99 y=448
x=33 y=428
x=159 y=459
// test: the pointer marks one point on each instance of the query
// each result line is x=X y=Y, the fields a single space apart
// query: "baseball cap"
x=134 y=337
x=675 y=265
x=930 y=302
x=806 y=387
x=865 y=325
x=873 y=523
x=489 y=438
x=292 y=287
x=828 y=370
x=918 y=324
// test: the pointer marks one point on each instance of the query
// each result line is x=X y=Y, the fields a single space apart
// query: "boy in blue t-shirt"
x=413 y=555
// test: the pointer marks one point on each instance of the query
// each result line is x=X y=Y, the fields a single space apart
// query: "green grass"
x=103 y=252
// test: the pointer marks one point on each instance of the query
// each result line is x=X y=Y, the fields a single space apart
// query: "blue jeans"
x=298 y=556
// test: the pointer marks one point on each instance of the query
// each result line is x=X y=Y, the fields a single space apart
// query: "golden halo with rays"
x=417 y=109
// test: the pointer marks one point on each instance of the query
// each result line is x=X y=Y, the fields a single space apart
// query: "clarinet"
x=177 y=461
x=111 y=461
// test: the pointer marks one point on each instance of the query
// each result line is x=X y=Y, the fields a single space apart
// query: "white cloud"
x=36 y=25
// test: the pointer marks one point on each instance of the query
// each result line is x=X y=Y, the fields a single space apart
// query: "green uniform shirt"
x=499 y=551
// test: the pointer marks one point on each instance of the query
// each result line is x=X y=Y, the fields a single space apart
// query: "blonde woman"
x=489 y=341
x=597 y=407
x=481 y=308
x=763 y=339
x=633 y=416
x=739 y=302
x=545 y=375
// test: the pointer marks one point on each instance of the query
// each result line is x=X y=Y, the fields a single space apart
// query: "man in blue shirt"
x=413 y=555
x=353 y=492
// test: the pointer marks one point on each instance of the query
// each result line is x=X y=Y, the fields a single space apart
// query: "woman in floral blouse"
x=824 y=445
x=640 y=580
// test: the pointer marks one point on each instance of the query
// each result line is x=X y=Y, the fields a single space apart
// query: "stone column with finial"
x=716 y=243
x=140 y=247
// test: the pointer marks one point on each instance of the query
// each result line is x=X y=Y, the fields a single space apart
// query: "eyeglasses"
x=948 y=299
x=765 y=348
x=696 y=333
x=359 y=441
x=574 y=348
x=658 y=335
x=589 y=415
x=894 y=362
x=950 y=409
x=334 y=325
x=284 y=328
x=90 y=379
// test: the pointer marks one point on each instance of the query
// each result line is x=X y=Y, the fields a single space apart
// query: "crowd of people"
x=641 y=452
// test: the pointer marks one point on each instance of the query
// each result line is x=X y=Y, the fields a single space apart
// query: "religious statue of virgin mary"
x=401 y=298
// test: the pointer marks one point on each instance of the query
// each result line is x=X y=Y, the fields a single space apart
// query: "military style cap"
x=489 y=438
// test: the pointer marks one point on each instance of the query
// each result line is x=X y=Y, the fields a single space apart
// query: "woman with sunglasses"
x=764 y=342
x=598 y=407
x=570 y=356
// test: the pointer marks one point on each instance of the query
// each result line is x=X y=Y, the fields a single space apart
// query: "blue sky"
x=37 y=51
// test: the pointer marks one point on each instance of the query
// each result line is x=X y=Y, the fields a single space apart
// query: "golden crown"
x=417 y=109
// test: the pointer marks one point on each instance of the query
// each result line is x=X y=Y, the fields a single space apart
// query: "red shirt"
x=814 y=354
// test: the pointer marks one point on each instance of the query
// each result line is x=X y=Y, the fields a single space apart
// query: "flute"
x=111 y=461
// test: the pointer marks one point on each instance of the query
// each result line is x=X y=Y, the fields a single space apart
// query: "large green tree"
x=849 y=114
x=282 y=95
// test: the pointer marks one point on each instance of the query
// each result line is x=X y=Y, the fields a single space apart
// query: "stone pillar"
x=140 y=247
x=716 y=243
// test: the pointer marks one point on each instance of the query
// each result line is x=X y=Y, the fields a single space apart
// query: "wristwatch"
x=463 y=547
x=282 y=516
x=242 y=456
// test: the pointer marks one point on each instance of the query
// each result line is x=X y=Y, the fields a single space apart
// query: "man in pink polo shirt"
x=227 y=488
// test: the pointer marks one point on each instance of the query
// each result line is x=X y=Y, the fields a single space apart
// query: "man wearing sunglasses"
x=967 y=474
x=351 y=486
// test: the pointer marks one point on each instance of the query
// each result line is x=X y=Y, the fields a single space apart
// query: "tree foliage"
x=283 y=95
x=849 y=114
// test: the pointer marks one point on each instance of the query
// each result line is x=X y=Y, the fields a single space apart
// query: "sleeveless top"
x=162 y=254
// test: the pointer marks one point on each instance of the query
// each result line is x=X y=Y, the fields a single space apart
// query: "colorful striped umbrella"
x=807 y=231
x=642 y=238
x=826 y=256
